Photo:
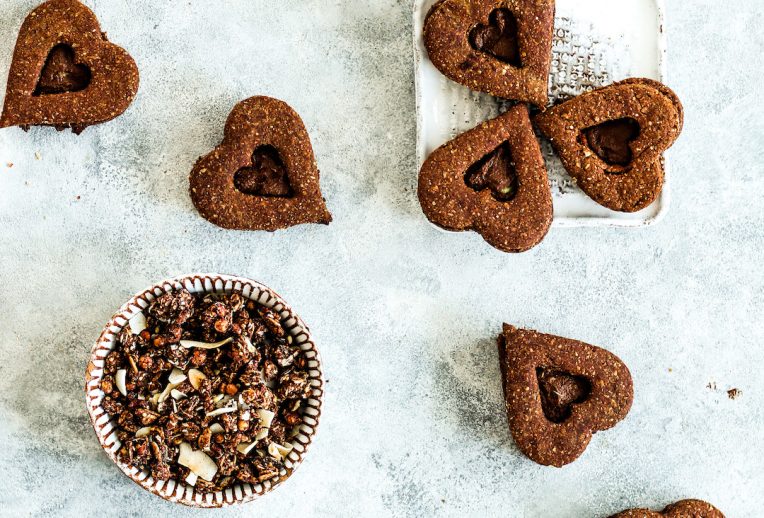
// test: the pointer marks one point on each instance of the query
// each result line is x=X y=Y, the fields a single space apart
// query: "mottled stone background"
x=405 y=315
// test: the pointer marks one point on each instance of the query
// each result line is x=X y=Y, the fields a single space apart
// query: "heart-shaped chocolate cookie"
x=681 y=509
x=492 y=180
x=65 y=73
x=559 y=392
x=502 y=47
x=611 y=140
x=263 y=176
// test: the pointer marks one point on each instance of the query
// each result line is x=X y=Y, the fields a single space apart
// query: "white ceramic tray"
x=597 y=42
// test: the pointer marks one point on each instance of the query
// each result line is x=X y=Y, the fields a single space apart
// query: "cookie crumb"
x=733 y=393
x=9 y=165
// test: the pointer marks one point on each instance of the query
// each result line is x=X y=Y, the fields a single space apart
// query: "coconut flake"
x=191 y=478
x=176 y=377
x=223 y=410
x=143 y=432
x=266 y=417
x=216 y=428
x=119 y=380
x=278 y=451
x=262 y=434
x=137 y=323
x=246 y=447
x=166 y=392
x=177 y=395
x=197 y=461
x=195 y=377
x=190 y=344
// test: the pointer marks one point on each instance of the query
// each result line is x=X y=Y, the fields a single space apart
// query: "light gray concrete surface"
x=405 y=316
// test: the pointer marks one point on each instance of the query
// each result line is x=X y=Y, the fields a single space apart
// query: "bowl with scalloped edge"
x=179 y=491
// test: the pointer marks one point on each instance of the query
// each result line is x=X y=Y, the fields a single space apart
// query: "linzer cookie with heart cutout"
x=611 y=140
x=263 y=176
x=559 y=392
x=496 y=46
x=64 y=71
x=681 y=509
x=492 y=180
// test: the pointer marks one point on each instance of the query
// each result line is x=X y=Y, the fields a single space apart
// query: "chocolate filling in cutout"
x=61 y=73
x=266 y=176
x=610 y=141
x=560 y=391
x=495 y=171
x=499 y=37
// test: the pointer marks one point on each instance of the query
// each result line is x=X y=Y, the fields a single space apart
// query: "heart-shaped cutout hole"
x=499 y=37
x=559 y=392
x=611 y=141
x=495 y=171
x=266 y=176
x=61 y=73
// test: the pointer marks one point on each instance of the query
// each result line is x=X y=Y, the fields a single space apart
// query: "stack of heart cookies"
x=492 y=179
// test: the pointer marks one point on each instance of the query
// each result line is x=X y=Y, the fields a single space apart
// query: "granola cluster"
x=206 y=389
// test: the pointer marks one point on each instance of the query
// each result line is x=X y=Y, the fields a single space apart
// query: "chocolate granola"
x=206 y=389
x=65 y=73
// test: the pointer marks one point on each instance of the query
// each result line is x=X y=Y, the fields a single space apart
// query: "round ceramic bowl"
x=175 y=490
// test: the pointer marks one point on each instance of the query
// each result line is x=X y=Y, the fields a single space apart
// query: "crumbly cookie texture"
x=263 y=176
x=681 y=509
x=496 y=46
x=65 y=73
x=492 y=180
x=611 y=140
x=559 y=392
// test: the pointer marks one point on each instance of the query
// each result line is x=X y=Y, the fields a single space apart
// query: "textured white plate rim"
x=559 y=222
x=179 y=492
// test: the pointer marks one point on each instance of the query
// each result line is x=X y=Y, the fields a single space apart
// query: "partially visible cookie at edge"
x=496 y=46
x=681 y=509
x=65 y=73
